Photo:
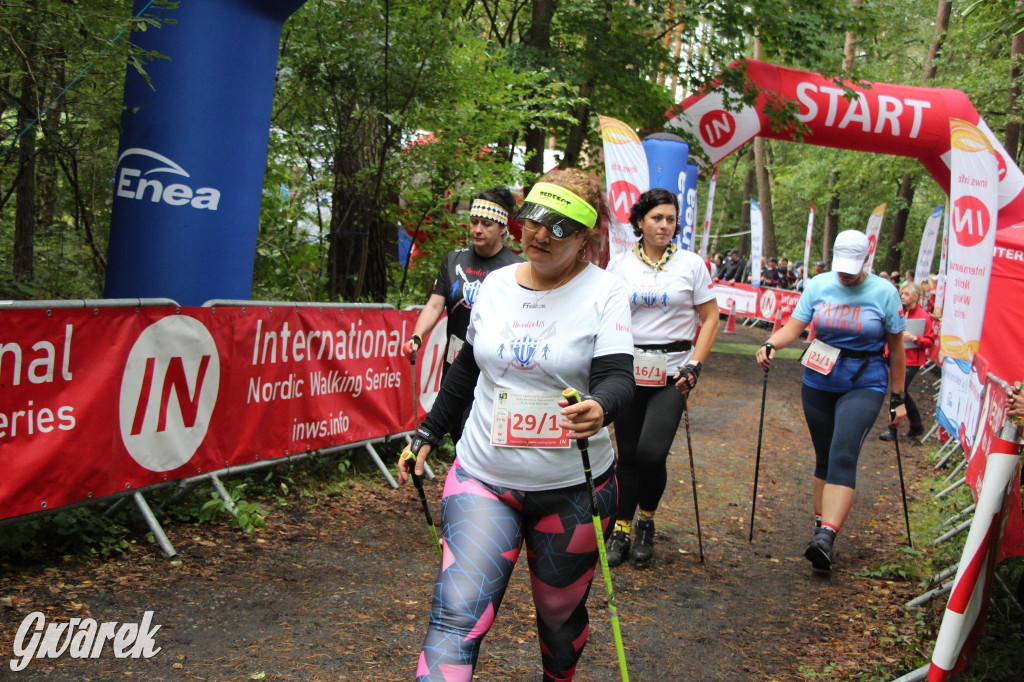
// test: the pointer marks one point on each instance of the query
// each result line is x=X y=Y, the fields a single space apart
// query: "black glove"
x=690 y=374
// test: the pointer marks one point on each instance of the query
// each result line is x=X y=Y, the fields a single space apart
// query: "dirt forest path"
x=338 y=587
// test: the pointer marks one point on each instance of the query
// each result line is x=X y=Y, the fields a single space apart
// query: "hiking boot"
x=819 y=550
x=643 y=550
x=888 y=435
x=915 y=432
x=617 y=548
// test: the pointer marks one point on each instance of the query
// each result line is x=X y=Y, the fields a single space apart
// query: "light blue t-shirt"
x=855 y=318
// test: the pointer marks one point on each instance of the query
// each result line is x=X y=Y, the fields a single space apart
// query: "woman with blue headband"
x=536 y=329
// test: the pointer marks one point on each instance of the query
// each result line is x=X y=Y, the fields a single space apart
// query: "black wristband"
x=770 y=346
x=418 y=339
x=896 y=399
x=423 y=437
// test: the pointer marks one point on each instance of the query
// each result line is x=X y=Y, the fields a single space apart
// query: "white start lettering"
x=133 y=183
x=82 y=638
x=827 y=105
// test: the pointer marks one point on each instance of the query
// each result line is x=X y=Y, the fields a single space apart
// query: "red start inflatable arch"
x=882 y=118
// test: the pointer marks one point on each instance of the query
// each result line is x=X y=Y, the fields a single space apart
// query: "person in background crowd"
x=785 y=274
x=819 y=267
x=461 y=272
x=536 y=328
x=798 y=276
x=917 y=355
x=669 y=291
x=771 y=277
x=734 y=267
x=717 y=266
x=842 y=400
x=908 y=276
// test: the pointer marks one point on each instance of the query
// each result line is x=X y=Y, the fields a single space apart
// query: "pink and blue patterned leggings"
x=484 y=527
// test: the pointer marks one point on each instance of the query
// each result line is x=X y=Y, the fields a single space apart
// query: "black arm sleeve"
x=455 y=396
x=612 y=383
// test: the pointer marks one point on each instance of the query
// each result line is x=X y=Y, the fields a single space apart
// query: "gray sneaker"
x=617 y=548
x=643 y=549
x=819 y=550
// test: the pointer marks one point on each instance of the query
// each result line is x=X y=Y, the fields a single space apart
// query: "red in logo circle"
x=622 y=195
x=717 y=127
x=970 y=220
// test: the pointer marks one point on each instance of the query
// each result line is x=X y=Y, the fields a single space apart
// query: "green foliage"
x=249 y=515
x=84 y=531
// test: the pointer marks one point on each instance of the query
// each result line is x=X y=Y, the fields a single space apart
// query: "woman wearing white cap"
x=846 y=377
x=536 y=329
x=462 y=270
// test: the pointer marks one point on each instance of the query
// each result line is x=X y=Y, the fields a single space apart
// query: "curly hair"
x=588 y=188
x=647 y=202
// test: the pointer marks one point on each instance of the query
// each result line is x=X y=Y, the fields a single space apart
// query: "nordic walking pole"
x=903 y=489
x=410 y=455
x=693 y=477
x=757 y=463
x=573 y=396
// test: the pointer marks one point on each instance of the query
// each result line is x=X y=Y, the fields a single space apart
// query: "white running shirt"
x=525 y=340
x=664 y=302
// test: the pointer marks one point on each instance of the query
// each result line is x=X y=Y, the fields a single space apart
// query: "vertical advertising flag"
x=807 y=245
x=706 y=236
x=973 y=197
x=756 y=239
x=688 y=209
x=973 y=194
x=926 y=252
x=873 y=228
x=626 y=178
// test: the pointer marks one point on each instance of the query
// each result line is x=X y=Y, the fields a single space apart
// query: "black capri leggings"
x=644 y=434
x=839 y=423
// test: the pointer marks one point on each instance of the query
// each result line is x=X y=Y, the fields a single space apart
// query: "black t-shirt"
x=458 y=280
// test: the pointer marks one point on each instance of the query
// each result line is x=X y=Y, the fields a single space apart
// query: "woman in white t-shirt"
x=669 y=291
x=536 y=328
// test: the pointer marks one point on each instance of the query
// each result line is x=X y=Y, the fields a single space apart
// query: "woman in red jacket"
x=917 y=346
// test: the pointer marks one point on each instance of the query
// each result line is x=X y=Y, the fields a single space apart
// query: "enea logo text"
x=134 y=183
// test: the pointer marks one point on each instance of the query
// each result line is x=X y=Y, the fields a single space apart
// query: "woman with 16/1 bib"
x=669 y=290
x=846 y=378
x=536 y=329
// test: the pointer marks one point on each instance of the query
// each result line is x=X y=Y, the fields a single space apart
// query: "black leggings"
x=839 y=423
x=644 y=434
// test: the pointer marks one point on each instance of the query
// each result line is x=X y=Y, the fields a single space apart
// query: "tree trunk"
x=941 y=26
x=748 y=191
x=764 y=189
x=540 y=39
x=724 y=202
x=578 y=132
x=894 y=254
x=849 y=51
x=25 y=192
x=831 y=218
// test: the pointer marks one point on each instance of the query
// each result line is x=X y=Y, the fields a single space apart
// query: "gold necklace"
x=537 y=299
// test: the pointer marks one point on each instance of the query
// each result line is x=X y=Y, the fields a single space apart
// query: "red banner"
x=761 y=303
x=97 y=401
